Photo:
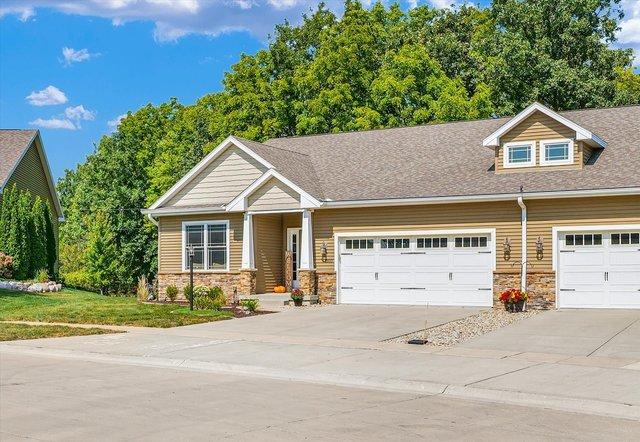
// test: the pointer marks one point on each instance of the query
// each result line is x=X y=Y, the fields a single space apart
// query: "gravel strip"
x=455 y=332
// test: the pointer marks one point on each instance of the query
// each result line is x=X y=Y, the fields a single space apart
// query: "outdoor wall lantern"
x=539 y=248
x=506 y=249
x=323 y=251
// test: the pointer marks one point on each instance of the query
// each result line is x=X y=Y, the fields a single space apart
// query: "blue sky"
x=72 y=68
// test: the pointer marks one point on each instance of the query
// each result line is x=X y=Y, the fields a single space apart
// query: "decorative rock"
x=33 y=288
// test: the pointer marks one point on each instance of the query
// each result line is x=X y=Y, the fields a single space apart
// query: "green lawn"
x=12 y=332
x=80 y=307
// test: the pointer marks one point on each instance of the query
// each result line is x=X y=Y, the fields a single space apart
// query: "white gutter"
x=152 y=219
x=183 y=211
x=523 y=261
x=480 y=198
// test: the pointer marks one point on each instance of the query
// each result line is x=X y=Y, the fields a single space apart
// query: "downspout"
x=152 y=219
x=523 y=240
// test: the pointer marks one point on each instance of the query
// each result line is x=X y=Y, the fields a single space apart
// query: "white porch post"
x=306 y=241
x=247 y=242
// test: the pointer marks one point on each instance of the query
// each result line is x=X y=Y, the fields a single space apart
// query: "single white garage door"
x=440 y=270
x=599 y=269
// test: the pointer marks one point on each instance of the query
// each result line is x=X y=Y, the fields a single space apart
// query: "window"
x=210 y=245
x=586 y=239
x=471 y=241
x=359 y=244
x=519 y=154
x=556 y=152
x=625 y=238
x=394 y=243
x=432 y=243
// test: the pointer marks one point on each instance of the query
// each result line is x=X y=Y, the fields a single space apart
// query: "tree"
x=102 y=255
x=39 y=215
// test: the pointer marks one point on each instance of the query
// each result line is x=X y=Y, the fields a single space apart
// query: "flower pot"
x=518 y=306
x=507 y=306
x=297 y=302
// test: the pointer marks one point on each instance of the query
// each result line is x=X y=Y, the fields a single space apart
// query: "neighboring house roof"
x=442 y=160
x=14 y=144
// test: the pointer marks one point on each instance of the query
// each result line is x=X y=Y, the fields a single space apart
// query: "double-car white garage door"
x=441 y=269
x=599 y=269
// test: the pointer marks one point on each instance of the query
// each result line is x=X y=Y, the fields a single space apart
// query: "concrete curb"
x=562 y=403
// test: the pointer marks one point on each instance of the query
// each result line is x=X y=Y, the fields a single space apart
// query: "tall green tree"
x=102 y=255
x=39 y=215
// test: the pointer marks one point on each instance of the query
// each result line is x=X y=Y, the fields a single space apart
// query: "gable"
x=537 y=127
x=273 y=195
x=220 y=181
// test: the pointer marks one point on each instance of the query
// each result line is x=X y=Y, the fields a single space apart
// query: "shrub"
x=172 y=292
x=6 y=266
x=186 y=291
x=250 y=304
x=204 y=302
x=206 y=298
x=42 y=276
x=79 y=279
x=142 y=290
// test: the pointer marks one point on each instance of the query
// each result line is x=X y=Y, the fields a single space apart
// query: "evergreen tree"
x=9 y=198
x=102 y=255
x=51 y=244
x=38 y=241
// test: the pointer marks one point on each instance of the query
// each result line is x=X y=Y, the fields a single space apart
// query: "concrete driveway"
x=370 y=323
x=588 y=333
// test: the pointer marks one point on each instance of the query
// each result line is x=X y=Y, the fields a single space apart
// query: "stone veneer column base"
x=541 y=287
x=247 y=282
x=228 y=282
x=307 y=279
x=326 y=287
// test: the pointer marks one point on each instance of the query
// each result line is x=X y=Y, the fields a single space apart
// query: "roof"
x=448 y=159
x=13 y=145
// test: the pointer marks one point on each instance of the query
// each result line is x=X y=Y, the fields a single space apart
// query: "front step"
x=276 y=300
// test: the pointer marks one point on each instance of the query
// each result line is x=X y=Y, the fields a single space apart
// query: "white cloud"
x=113 y=124
x=24 y=13
x=629 y=34
x=76 y=56
x=53 y=123
x=48 y=96
x=79 y=113
x=442 y=4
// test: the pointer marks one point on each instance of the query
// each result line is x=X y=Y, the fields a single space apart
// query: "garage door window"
x=587 y=239
x=432 y=243
x=471 y=241
x=352 y=244
x=625 y=238
x=394 y=243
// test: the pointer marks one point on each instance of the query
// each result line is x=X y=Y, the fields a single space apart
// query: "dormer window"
x=520 y=154
x=553 y=152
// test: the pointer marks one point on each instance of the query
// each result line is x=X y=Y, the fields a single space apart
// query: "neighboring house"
x=24 y=163
x=440 y=214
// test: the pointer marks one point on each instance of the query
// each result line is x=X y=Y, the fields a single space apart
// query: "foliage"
x=42 y=276
x=12 y=332
x=81 y=307
x=297 y=295
x=511 y=296
x=102 y=255
x=371 y=68
x=250 y=304
x=206 y=298
x=24 y=233
x=79 y=279
x=186 y=291
x=172 y=292
x=142 y=290
x=6 y=266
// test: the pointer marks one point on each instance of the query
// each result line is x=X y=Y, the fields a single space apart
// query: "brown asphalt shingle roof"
x=447 y=160
x=13 y=143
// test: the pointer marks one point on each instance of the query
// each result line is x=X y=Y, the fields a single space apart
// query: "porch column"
x=306 y=241
x=247 y=242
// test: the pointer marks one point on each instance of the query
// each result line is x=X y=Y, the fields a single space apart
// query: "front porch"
x=277 y=250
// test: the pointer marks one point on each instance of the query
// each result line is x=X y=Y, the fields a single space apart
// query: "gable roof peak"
x=582 y=133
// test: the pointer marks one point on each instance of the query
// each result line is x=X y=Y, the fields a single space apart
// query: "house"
x=23 y=162
x=449 y=214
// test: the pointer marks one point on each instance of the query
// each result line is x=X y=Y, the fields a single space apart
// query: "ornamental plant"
x=297 y=295
x=511 y=296
x=6 y=266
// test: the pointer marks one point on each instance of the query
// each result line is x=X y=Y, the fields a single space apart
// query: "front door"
x=293 y=246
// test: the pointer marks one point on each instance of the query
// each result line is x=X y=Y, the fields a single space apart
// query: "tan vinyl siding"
x=170 y=240
x=268 y=251
x=503 y=216
x=538 y=127
x=30 y=175
x=274 y=195
x=221 y=181
x=546 y=214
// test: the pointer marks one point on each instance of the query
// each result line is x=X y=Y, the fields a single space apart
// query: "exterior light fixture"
x=539 y=248
x=506 y=248
x=323 y=251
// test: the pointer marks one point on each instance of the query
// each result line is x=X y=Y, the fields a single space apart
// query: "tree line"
x=370 y=68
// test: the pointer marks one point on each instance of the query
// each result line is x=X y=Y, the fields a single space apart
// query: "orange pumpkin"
x=279 y=289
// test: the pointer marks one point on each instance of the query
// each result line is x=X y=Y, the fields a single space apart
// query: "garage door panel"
x=439 y=296
x=357 y=295
x=435 y=278
x=580 y=277
x=625 y=257
x=583 y=258
x=471 y=278
x=629 y=277
x=471 y=260
x=367 y=260
x=390 y=278
x=624 y=298
x=358 y=277
x=583 y=298
x=438 y=259
x=395 y=260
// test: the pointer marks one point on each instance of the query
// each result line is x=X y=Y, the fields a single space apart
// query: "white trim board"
x=228 y=142
x=493 y=140
x=224 y=222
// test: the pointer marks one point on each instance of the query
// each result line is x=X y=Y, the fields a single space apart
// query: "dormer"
x=540 y=139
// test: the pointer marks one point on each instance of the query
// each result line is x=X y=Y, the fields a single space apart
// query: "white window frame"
x=185 y=264
x=543 y=147
x=507 y=146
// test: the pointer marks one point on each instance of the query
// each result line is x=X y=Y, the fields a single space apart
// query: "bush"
x=250 y=304
x=142 y=290
x=204 y=302
x=6 y=266
x=206 y=298
x=172 y=292
x=42 y=276
x=79 y=279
